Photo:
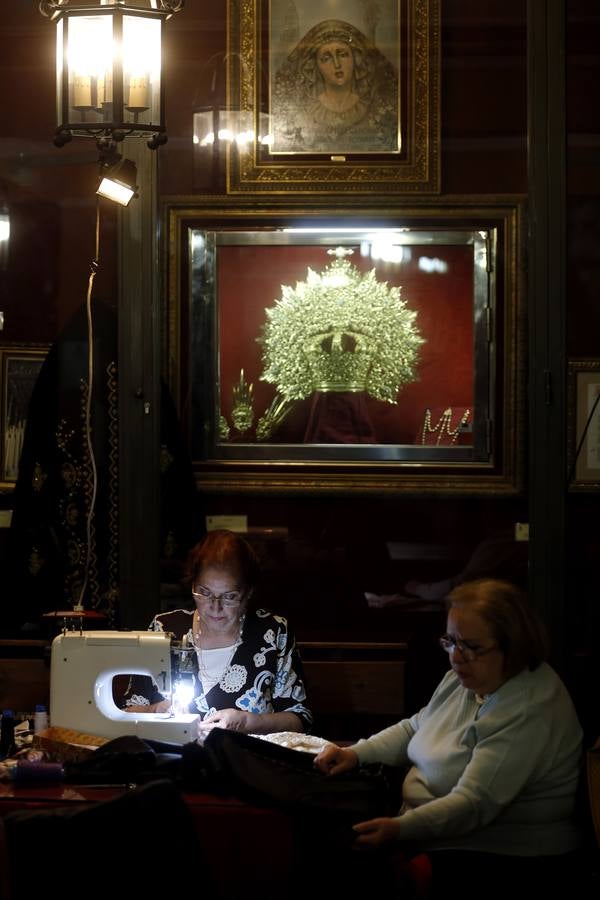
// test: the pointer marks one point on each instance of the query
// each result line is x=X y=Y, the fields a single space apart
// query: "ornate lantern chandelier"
x=108 y=68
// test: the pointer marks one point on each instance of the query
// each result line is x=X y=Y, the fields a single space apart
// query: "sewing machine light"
x=182 y=669
x=183 y=694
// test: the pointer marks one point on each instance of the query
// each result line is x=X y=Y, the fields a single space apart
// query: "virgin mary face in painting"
x=331 y=54
x=335 y=63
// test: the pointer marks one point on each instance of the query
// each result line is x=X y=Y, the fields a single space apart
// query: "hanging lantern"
x=108 y=67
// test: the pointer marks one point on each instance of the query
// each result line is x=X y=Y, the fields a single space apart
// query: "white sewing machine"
x=83 y=666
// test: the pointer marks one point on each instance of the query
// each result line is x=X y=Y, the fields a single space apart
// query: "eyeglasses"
x=470 y=652
x=227 y=598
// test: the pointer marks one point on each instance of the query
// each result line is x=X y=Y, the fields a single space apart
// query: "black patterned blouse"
x=264 y=675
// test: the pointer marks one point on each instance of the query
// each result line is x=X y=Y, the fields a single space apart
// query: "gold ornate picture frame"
x=257 y=331
x=583 y=425
x=386 y=141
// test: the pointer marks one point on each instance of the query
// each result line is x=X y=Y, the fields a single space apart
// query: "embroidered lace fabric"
x=137 y=700
x=295 y=740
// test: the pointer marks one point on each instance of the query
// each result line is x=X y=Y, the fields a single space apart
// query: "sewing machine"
x=83 y=665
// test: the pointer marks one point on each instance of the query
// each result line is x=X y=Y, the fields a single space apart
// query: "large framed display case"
x=332 y=349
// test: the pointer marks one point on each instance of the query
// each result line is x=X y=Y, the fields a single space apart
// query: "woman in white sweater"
x=493 y=759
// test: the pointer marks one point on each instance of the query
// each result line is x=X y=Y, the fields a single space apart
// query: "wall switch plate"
x=232 y=523
x=521 y=531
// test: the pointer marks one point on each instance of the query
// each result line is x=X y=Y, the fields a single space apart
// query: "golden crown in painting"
x=340 y=330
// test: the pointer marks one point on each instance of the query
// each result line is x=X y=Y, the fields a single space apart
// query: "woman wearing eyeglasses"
x=492 y=761
x=248 y=675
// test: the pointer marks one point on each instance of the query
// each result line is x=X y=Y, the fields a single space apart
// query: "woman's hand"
x=333 y=760
x=376 y=832
x=232 y=719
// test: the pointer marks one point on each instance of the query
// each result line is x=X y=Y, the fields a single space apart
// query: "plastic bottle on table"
x=40 y=718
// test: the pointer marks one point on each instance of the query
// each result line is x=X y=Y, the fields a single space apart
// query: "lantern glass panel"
x=90 y=53
x=141 y=70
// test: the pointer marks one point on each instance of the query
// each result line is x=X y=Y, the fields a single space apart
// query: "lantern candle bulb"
x=138 y=93
x=104 y=89
x=82 y=91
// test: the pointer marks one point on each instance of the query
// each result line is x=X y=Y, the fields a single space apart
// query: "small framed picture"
x=20 y=366
x=584 y=425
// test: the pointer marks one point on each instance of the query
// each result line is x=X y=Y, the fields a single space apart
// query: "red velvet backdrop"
x=250 y=279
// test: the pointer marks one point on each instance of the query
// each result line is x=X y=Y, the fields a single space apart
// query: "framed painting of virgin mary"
x=342 y=96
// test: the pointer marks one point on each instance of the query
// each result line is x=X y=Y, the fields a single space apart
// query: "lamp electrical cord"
x=88 y=411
